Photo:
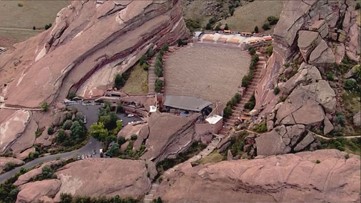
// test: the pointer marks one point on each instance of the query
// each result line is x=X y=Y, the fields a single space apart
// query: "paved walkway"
x=209 y=149
x=2 y=106
x=237 y=111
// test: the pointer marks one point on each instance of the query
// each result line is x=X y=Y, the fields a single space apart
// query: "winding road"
x=92 y=144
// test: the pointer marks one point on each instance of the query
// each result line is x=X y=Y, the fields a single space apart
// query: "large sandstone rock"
x=34 y=191
x=104 y=177
x=322 y=54
x=87 y=45
x=357 y=119
x=169 y=135
x=281 y=140
x=283 y=178
x=307 y=41
x=12 y=126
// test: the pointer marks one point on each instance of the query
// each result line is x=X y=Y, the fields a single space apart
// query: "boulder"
x=278 y=178
x=322 y=55
x=357 y=119
x=123 y=177
x=34 y=191
x=12 y=127
x=353 y=71
x=25 y=154
x=311 y=112
x=305 y=142
x=339 y=52
x=307 y=42
x=327 y=126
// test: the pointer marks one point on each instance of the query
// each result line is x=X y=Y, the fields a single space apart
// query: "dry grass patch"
x=246 y=17
x=137 y=83
x=213 y=157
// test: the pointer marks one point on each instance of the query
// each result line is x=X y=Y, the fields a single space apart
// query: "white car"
x=130 y=115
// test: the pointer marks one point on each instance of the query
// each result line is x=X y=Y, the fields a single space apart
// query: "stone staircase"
x=151 y=77
x=205 y=152
x=237 y=111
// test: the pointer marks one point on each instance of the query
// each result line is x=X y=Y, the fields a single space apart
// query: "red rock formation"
x=89 y=43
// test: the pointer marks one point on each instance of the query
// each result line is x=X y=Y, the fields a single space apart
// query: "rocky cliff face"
x=310 y=37
x=89 y=43
x=319 y=176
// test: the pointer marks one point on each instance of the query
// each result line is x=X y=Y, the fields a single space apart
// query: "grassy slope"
x=137 y=83
x=253 y=14
x=32 y=13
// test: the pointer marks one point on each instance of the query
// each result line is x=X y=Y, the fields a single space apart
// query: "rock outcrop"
x=310 y=37
x=9 y=160
x=169 y=135
x=89 y=43
x=324 y=175
x=34 y=191
x=126 y=178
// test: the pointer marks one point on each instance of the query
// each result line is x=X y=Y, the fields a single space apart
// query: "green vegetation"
x=276 y=90
x=237 y=144
x=158 y=200
x=9 y=166
x=261 y=127
x=358 y=6
x=47 y=26
x=67 y=198
x=227 y=111
x=158 y=85
x=330 y=76
x=129 y=153
x=272 y=20
x=213 y=157
x=119 y=81
x=44 y=106
x=20 y=5
x=318 y=161
x=193 y=25
x=251 y=103
x=266 y=26
x=269 y=50
x=39 y=132
x=348 y=145
x=256 y=29
x=247 y=79
x=8 y=191
x=166 y=164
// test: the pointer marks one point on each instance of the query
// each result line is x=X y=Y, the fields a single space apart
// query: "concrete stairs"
x=237 y=111
x=151 y=77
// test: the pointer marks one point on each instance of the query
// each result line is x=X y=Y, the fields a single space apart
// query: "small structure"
x=213 y=124
x=186 y=103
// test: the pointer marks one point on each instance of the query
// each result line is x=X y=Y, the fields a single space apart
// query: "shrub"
x=47 y=26
x=256 y=29
x=67 y=124
x=133 y=137
x=269 y=50
x=260 y=128
x=9 y=166
x=158 y=85
x=121 y=140
x=39 y=131
x=34 y=28
x=50 y=130
x=192 y=25
x=71 y=95
x=340 y=119
x=318 y=161
x=226 y=27
x=272 y=20
x=276 y=90
x=227 y=112
x=252 y=51
x=350 y=84
x=20 y=5
x=119 y=81
x=251 y=103
x=165 y=47
x=218 y=27
x=44 y=106
x=158 y=70
x=266 y=26
x=145 y=66
x=143 y=60
x=330 y=76
x=246 y=80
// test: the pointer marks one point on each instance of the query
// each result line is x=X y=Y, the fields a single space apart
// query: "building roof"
x=214 y=119
x=186 y=103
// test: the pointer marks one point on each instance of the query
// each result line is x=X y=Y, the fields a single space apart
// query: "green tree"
x=77 y=130
x=44 y=106
x=119 y=81
x=119 y=124
x=109 y=121
x=266 y=26
x=226 y=27
x=159 y=85
x=272 y=20
x=269 y=50
x=113 y=151
x=67 y=124
x=61 y=137
x=227 y=112
x=50 y=130
x=98 y=131
x=256 y=29
x=66 y=198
